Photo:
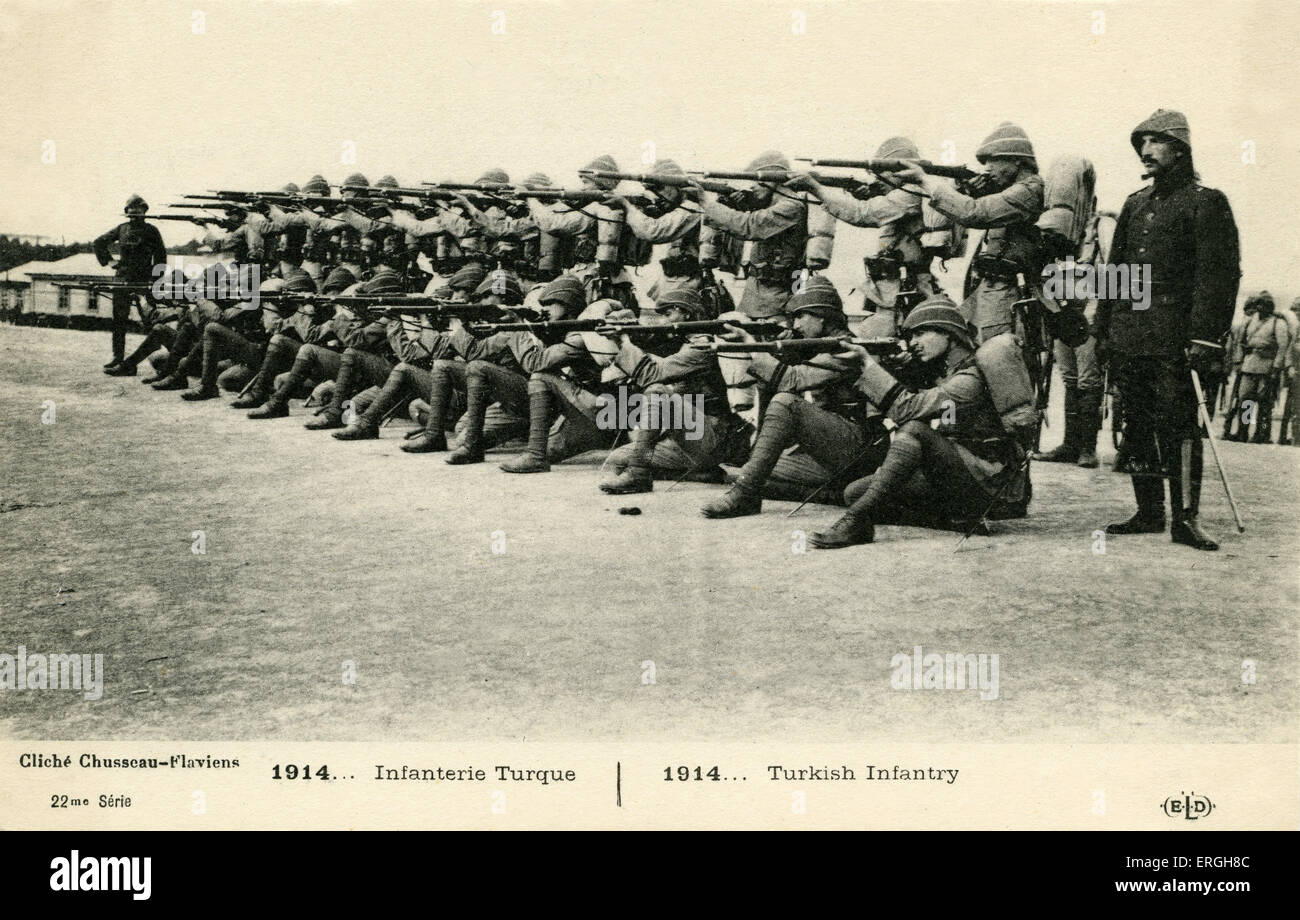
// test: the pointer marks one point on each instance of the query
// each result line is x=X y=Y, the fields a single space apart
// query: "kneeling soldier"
x=828 y=424
x=954 y=470
x=691 y=372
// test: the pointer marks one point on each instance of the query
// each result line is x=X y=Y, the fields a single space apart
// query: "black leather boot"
x=850 y=530
x=737 y=501
x=1150 y=518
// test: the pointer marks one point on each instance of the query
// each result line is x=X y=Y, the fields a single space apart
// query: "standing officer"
x=139 y=248
x=1186 y=233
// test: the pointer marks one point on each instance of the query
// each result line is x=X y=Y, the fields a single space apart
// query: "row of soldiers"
x=933 y=433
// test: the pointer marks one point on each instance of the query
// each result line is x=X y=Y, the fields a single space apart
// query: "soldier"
x=240 y=333
x=567 y=382
x=689 y=372
x=788 y=235
x=1081 y=373
x=309 y=324
x=448 y=377
x=594 y=233
x=1259 y=359
x=413 y=377
x=1007 y=213
x=950 y=472
x=324 y=359
x=903 y=260
x=1230 y=343
x=503 y=363
x=1291 y=408
x=139 y=248
x=676 y=222
x=1186 y=234
x=816 y=405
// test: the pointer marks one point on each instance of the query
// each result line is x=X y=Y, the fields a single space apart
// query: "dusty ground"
x=319 y=553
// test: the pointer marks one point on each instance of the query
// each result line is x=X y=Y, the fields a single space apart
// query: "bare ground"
x=320 y=553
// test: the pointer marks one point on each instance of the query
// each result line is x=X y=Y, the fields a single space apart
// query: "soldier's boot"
x=1068 y=450
x=477 y=397
x=178 y=379
x=125 y=369
x=207 y=388
x=1150 y=518
x=332 y=415
x=433 y=438
x=738 y=501
x=1089 y=424
x=259 y=390
x=853 y=529
x=533 y=459
x=779 y=431
x=1184 y=527
x=1264 y=424
x=637 y=475
x=366 y=425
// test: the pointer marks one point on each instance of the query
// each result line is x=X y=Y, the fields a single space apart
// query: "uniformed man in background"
x=139 y=248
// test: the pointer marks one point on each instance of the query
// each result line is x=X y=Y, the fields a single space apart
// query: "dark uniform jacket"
x=139 y=249
x=1186 y=233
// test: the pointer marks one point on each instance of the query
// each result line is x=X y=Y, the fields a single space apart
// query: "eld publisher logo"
x=1188 y=805
x=102 y=873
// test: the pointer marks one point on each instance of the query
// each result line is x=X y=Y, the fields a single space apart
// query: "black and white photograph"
x=513 y=400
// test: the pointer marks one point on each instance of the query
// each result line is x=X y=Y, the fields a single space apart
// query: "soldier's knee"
x=784 y=401
x=914 y=429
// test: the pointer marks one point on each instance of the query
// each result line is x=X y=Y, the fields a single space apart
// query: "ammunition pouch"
x=886 y=267
x=680 y=265
x=996 y=268
x=773 y=274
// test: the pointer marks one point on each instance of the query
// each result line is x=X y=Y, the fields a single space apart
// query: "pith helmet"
x=898 y=148
x=568 y=290
x=684 y=299
x=939 y=312
x=1167 y=123
x=1007 y=140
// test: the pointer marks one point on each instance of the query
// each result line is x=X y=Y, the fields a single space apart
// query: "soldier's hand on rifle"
x=618 y=202
x=804 y=182
x=1200 y=352
x=912 y=172
x=852 y=350
x=738 y=333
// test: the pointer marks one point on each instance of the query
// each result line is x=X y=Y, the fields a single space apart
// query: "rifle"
x=578 y=197
x=884 y=346
x=214 y=206
x=187 y=218
x=651 y=180
x=604 y=326
x=960 y=173
x=781 y=176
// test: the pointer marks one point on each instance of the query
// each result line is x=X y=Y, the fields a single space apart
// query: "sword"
x=1214 y=449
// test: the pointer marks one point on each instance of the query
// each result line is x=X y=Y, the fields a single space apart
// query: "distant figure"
x=139 y=248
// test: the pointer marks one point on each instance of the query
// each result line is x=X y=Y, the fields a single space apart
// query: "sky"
x=160 y=99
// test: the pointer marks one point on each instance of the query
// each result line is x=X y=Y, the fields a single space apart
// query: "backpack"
x=1002 y=365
